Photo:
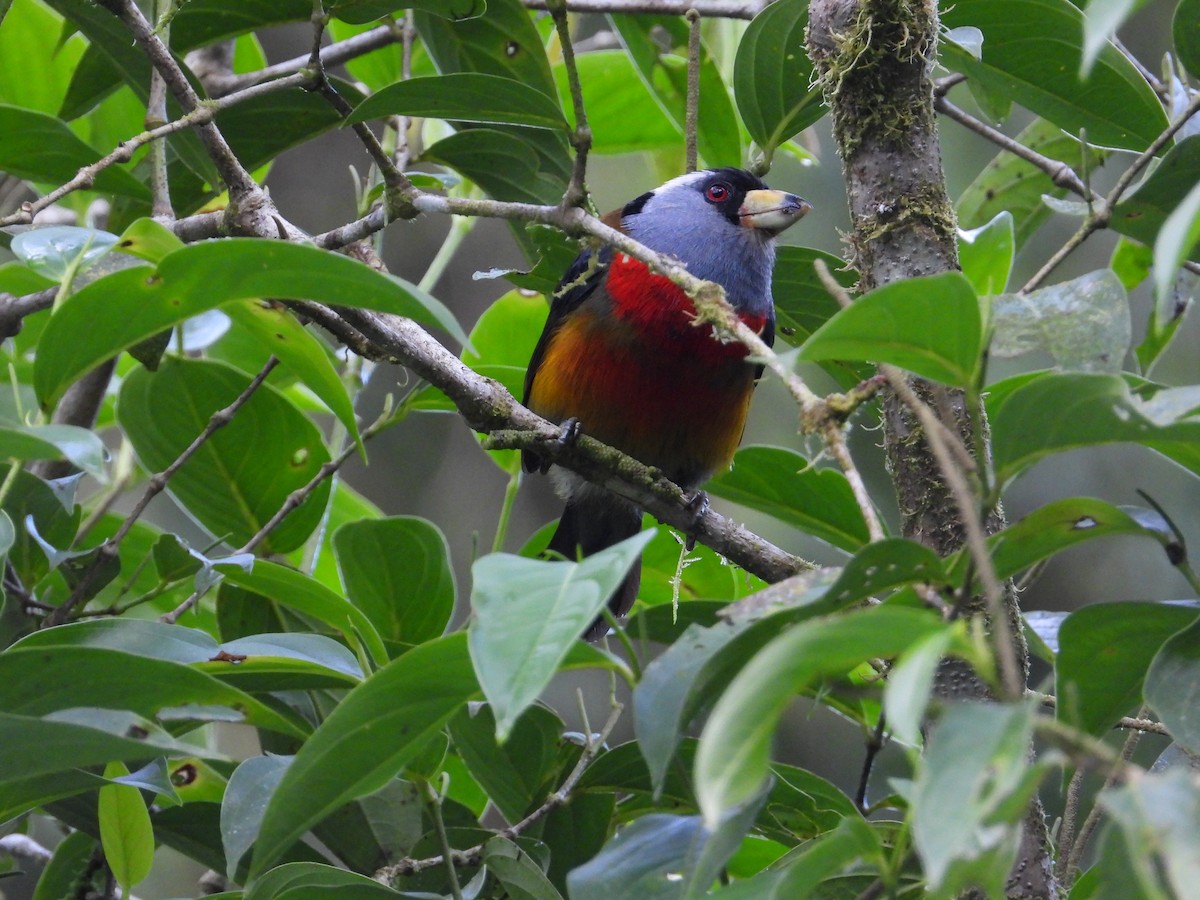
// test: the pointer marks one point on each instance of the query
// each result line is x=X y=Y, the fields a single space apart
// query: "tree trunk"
x=873 y=59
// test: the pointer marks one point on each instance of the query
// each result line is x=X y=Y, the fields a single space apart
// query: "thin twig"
x=470 y=857
x=581 y=135
x=717 y=9
x=331 y=55
x=1100 y=217
x=1067 y=873
x=1125 y=723
x=86 y=176
x=156 y=485
x=156 y=115
x=1066 y=833
x=692 y=110
x=233 y=173
x=1060 y=173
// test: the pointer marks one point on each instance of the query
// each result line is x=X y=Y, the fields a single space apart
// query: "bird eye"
x=717 y=193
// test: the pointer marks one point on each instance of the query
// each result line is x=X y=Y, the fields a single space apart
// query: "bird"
x=622 y=357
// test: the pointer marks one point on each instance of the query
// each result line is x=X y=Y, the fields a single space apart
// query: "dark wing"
x=582 y=278
x=768 y=336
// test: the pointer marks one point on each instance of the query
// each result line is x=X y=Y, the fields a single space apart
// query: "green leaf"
x=1183 y=31
x=67 y=867
x=909 y=685
x=149 y=240
x=1158 y=816
x=504 y=42
x=117 y=311
x=1176 y=243
x=986 y=254
x=663 y=857
x=360 y=11
x=784 y=484
x=303 y=353
x=125 y=831
x=735 y=748
x=258 y=130
x=301 y=880
x=464 y=97
x=232 y=494
x=1032 y=51
x=30 y=496
x=1011 y=184
x=83 y=676
x=377 y=728
x=932 y=326
x=1052 y=528
x=1100 y=25
x=517 y=871
x=813 y=863
x=1056 y=412
x=1104 y=652
x=498 y=162
x=246 y=797
x=42 y=148
x=624 y=117
x=514 y=774
x=79 y=445
x=528 y=615
x=1083 y=323
x=772 y=76
x=978 y=764
x=397 y=571
x=664 y=73
x=1173 y=683
x=1143 y=214
x=58 y=250
x=32 y=31
x=671 y=688
x=306 y=595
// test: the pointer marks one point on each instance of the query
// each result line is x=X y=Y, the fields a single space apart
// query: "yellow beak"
x=772 y=211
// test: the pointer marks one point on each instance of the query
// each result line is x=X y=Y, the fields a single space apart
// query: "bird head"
x=721 y=224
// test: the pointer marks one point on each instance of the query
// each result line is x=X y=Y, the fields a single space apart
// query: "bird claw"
x=696 y=506
x=568 y=432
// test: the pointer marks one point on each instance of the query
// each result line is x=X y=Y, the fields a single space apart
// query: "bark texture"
x=873 y=59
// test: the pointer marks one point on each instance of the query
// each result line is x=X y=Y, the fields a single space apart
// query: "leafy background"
x=447 y=480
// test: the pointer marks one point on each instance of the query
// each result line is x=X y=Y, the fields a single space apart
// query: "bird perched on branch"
x=623 y=356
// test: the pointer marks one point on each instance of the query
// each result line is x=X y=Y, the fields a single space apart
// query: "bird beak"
x=772 y=211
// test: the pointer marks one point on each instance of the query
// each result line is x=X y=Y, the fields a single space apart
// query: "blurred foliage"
x=392 y=736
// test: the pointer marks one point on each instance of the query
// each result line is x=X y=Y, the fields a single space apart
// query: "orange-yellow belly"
x=672 y=403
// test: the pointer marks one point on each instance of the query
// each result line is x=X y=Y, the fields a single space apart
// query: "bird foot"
x=697 y=505
x=568 y=434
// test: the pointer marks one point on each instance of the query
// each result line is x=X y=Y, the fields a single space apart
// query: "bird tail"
x=588 y=525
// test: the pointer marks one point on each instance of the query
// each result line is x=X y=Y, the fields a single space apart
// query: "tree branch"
x=717 y=9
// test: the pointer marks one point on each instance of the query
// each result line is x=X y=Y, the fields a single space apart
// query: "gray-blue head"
x=721 y=224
